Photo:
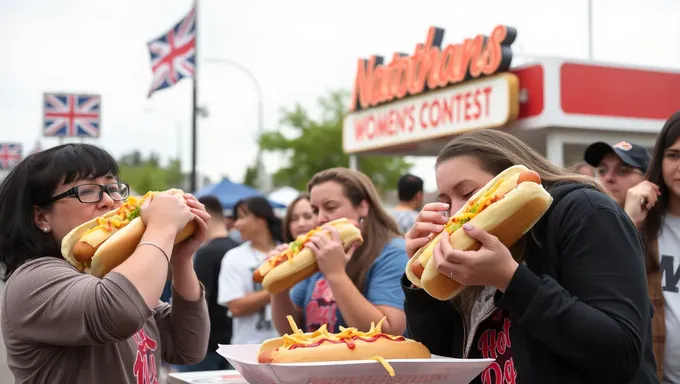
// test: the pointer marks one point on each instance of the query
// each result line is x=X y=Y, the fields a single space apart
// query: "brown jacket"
x=658 y=321
x=62 y=326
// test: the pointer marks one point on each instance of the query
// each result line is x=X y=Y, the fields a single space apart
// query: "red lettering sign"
x=431 y=67
x=456 y=108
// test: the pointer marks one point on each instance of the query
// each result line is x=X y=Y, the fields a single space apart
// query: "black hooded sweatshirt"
x=577 y=310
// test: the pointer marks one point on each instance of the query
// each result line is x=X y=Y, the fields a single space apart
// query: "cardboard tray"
x=436 y=370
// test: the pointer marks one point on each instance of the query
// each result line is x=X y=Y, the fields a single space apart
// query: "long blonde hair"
x=497 y=151
x=378 y=226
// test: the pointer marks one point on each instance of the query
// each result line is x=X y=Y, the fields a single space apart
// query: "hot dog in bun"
x=348 y=344
x=507 y=207
x=298 y=262
x=103 y=243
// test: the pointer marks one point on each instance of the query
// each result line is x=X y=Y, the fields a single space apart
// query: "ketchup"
x=349 y=342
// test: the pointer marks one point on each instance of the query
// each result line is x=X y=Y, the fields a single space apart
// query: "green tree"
x=250 y=178
x=317 y=145
x=147 y=174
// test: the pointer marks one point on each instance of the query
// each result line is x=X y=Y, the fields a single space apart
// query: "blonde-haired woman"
x=299 y=219
x=567 y=304
x=354 y=288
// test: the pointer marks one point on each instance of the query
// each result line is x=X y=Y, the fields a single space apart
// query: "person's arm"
x=289 y=303
x=248 y=304
x=50 y=302
x=147 y=267
x=205 y=270
x=384 y=297
x=596 y=316
x=184 y=328
x=429 y=320
x=184 y=280
x=231 y=291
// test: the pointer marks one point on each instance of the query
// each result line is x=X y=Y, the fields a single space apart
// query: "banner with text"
x=485 y=103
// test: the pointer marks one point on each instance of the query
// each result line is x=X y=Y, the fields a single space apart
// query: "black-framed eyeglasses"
x=93 y=193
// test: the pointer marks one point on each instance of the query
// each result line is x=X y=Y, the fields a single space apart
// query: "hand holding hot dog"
x=429 y=222
x=185 y=250
x=491 y=265
x=166 y=210
x=330 y=253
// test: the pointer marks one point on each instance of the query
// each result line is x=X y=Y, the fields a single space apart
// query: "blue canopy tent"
x=229 y=193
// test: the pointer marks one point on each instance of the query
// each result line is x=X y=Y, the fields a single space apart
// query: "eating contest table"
x=207 y=377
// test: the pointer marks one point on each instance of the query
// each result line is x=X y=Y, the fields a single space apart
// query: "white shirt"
x=669 y=258
x=236 y=281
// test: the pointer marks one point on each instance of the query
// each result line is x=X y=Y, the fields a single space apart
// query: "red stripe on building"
x=619 y=92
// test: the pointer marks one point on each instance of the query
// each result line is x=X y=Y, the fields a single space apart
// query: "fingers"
x=201 y=214
x=421 y=229
x=318 y=240
x=431 y=217
x=435 y=207
x=313 y=247
x=352 y=248
x=280 y=248
x=449 y=254
x=419 y=242
x=201 y=222
x=335 y=234
x=488 y=241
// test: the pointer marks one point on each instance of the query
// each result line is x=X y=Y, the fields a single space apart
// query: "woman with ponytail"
x=247 y=302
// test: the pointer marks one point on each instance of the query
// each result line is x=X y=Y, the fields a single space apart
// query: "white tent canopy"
x=284 y=195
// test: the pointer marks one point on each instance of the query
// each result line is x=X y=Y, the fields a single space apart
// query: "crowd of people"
x=588 y=295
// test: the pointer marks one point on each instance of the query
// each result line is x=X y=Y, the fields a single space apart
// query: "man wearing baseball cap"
x=621 y=168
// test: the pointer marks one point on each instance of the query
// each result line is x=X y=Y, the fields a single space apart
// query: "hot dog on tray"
x=297 y=262
x=103 y=243
x=507 y=207
x=348 y=344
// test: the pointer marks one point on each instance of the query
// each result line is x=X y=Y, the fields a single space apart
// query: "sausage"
x=529 y=176
x=265 y=357
x=417 y=268
x=83 y=251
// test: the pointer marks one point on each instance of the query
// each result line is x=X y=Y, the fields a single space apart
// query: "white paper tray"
x=436 y=370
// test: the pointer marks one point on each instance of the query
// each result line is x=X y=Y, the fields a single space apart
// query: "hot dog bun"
x=512 y=203
x=363 y=350
x=96 y=248
x=348 y=344
x=290 y=267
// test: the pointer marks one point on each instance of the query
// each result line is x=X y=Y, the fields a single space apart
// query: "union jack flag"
x=71 y=115
x=173 y=55
x=10 y=154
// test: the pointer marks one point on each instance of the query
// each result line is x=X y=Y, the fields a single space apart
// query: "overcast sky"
x=298 y=50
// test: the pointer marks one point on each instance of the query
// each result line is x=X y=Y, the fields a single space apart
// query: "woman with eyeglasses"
x=62 y=326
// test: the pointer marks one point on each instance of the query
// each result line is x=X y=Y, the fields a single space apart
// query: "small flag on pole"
x=71 y=115
x=173 y=55
x=10 y=155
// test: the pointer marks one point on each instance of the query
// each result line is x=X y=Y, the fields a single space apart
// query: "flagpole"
x=194 y=109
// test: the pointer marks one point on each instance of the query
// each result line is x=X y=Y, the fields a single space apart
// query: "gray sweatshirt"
x=62 y=326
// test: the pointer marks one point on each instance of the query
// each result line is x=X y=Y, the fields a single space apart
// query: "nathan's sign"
x=484 y=103
x=431 y=67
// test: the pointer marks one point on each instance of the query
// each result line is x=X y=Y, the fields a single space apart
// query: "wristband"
x=154 y=245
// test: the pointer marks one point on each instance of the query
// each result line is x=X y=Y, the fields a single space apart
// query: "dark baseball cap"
x=631 y=154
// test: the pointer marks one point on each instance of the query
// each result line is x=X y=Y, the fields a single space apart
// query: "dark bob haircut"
x=260 y=207
x=32 y=183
